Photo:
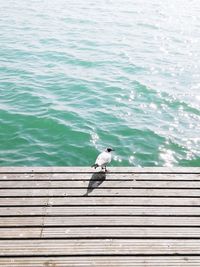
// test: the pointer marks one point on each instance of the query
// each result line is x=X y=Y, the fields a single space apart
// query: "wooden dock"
x=53 y=217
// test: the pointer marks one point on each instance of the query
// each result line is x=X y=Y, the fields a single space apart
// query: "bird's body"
x=103 y=159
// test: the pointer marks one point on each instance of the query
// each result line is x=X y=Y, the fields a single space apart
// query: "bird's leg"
x=103 y=168
x=106 y=170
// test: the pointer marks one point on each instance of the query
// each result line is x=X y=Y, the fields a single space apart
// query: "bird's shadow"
x=95 y=181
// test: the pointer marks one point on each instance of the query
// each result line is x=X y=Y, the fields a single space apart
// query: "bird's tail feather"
x=95 y=165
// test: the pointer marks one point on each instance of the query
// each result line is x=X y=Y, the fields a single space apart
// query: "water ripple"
x=77 y=77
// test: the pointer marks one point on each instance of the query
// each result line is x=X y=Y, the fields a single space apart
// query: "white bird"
x=103 y=159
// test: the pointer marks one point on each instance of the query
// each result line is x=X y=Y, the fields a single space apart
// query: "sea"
x=78 y=76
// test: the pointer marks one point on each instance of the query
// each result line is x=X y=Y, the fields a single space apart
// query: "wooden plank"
x=95 y=232
x=101 y=192
x=30 y=176
x=99 y=232
x=116 y=232
x=73 y=221
x=103 y=261
x=99 y=183
x=21 y=232
x=109 y=176
x=93 y=201
x=98 y=210
x=96 y=247
x=124 y=176
x=23 y=201
x=21 y=211
x=122 y=221
x=122 y=211
x=91 y=170
x=21 y=221
x=123 y=200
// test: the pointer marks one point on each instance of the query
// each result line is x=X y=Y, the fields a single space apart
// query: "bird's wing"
x=103 y=159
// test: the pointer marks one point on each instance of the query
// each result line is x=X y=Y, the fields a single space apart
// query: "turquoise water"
x=79 y=76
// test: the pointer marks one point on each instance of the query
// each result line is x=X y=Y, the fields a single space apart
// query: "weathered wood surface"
x=100 y=211
x=62 y=216
x=98 y=201
x=74 y=221
x=111 y=176
x=152 y=170
x=134 y=184
x=111 y=192
x=103 y=261
x=99 y=232
x=68 y=247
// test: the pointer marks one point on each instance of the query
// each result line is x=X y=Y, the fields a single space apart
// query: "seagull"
x=103 y=159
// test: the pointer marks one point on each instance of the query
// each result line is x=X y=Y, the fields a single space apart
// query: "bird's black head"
x=109 y=149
